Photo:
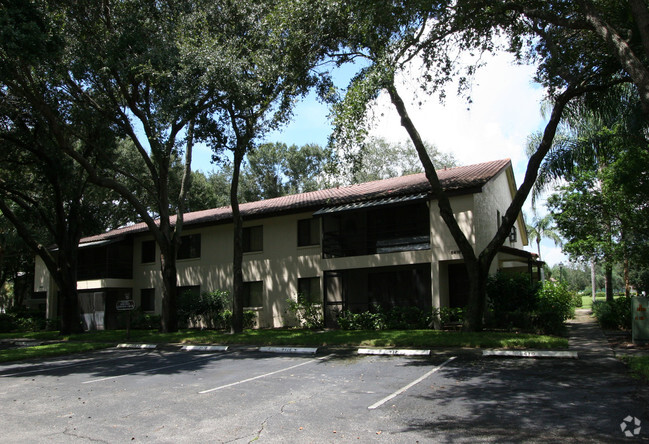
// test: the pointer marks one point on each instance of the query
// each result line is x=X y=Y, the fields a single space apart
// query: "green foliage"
x=542 y=227
x=397 y=318
x=308 y=314
x=368 y=163
x=22 y=320
x=144 y=321
x=639 y=366
x=615 y=314
x=275 y=169
x=510 y=293
x=208 y=310
x=409 y=318
x=249 y=318
x=451 y=315
x=361 y=321
x=555 y=304
x=516 y=303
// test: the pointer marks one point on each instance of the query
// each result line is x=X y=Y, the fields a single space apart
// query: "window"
x=147 y=299
x=190 y=247
x=253 y=239
x=148 y=251
x=308 y=232
x=253 y=294
x=309 y=288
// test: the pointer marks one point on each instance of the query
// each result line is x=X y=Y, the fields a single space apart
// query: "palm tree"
x=596 y=131
x=543 y=227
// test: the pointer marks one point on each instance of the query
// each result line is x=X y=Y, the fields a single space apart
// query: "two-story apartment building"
x=380 y=242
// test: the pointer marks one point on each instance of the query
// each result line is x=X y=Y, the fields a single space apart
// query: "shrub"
x=397 y=318
x=21 y=319
x=207 y=310
x=615 y=314
x=509 y=292
x=516 y=303
x=555 y=304
x=308 y=314
x=7 y=323
x=144 y=321
x=409 y=318
x=512 y=299
x=249 y=318
x=451 y=315
x=361 y=321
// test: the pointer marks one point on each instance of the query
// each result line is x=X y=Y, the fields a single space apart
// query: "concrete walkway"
x=586 y=337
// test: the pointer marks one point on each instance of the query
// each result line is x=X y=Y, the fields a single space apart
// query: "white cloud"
x=552 y=255
x=505 y=111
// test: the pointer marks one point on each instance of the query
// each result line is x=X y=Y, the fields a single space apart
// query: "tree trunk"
x=608 y=281
x=474 y=314
x=67 y=283
x=628 y=60
x=593 y=280
x=237 y=260
x=478 y=267
x=169 y=318
x=627 y=283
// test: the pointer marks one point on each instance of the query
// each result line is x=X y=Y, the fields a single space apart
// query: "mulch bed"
x=622 y=340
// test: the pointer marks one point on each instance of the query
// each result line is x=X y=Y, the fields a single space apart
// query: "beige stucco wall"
x=496 y=197
x=44 y=282
x=282 y=262
x=278 y=265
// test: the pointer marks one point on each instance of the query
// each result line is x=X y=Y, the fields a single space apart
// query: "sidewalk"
x=586 y=337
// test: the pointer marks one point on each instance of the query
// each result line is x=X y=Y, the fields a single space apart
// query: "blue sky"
x=505 y=110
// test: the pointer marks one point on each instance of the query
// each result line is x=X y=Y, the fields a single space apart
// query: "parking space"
x=241 y=396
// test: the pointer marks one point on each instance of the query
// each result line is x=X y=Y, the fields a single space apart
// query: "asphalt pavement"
x=243 y=395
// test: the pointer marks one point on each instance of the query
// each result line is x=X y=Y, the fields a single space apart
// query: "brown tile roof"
x=454 y=180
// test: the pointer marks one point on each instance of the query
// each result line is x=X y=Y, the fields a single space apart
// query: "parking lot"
x=244 y=396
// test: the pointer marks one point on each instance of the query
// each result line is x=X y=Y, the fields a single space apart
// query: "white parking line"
x=44 y=368
x=152 y=369
x=413 y=383
x=263 y=376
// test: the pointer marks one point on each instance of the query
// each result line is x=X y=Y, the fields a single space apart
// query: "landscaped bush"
x=409 y=318
x=21 y=319
x=208 y=310
x=516 y=303
x=249 y=319
x=615 y=314
x=555 y=304
x=397 y=318
x=510 y=292
x=308 y=314
x=512 y=299
x=361 y=321
x=451 y=315
x=144 y=321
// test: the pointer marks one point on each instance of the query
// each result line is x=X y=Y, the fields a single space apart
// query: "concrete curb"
x=138 y=346
x=531 y=354
x=392 y=352
x=292 y=350
x=204 y=348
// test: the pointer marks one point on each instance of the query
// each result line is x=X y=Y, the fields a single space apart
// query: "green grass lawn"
x=49 y=350
x=639 y=366
x=282 y=337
